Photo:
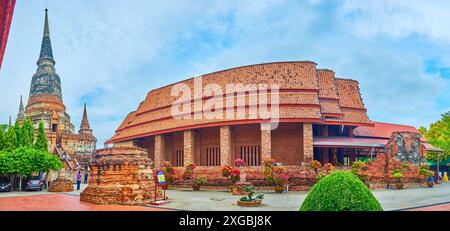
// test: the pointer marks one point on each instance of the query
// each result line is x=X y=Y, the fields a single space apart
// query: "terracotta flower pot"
x=279 y=189
x=196 y=187
x=254 y=203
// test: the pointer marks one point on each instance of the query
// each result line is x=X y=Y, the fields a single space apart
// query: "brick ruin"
x=403 y=147
x=61 y=184
x=121 y=175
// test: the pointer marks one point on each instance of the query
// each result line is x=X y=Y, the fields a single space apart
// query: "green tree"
x=18 y=131
x=439 y=136
x=27 y=133
x=10 y=139
x=340 y=191
x=41 y=140
x=2 y=135
x=24 y=161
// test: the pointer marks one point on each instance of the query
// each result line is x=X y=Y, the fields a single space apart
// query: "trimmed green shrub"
x=340 y=191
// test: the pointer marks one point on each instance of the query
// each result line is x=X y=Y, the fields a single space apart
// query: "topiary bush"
x=340 y=191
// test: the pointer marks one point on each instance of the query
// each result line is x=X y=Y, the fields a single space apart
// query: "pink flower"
x=239 y=162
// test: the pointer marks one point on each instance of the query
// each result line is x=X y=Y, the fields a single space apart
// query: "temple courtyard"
x=427 y=199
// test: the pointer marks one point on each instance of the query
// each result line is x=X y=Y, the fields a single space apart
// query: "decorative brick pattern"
x=225 y=145
x=266 y=141
x=308 y=150
x=189 y=147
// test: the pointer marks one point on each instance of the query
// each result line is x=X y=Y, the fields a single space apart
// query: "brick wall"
x=246 y=135
x=287 y=144
x=209 y=138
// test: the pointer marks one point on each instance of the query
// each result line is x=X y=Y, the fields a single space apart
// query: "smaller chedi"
x=121 y=175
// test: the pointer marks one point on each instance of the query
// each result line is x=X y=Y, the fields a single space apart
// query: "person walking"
x=78 y=180
x=86 y=175
x=445 y=177
x=440 y=176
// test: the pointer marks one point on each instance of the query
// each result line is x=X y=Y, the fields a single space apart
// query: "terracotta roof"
x=330 y=107
x=353 y=116
x=383 y=130
x=349 y=95
x=327 y=87
x=130 y=117
x=304 y=94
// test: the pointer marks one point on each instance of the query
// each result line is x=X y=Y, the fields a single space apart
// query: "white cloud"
x=111 y=53
x=400 y=18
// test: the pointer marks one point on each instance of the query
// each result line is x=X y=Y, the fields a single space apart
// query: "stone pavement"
x=185 y=199
x=208 y=200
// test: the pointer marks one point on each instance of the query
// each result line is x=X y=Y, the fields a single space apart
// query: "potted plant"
x=188 y=173
x=198 y=181
x=226 y=171
x=281 y=179
x=398 y=176
x=249 y=201
x=240 y=163
x=276 y=176
x=169 y=173
x=235 y=175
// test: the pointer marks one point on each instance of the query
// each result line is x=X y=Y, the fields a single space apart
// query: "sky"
x=110 y=53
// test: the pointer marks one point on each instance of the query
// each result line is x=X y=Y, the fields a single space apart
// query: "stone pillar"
x=160 y=148
x=308 y=149
x=225 y=145
x=189 y=147
x=266 y=141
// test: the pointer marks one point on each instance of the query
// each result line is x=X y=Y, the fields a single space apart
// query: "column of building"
x=266 y=141
x=308 y=149
x=189 y=147
x=225 y=145
x=159 y=150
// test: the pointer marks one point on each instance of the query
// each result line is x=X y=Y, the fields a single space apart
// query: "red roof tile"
x=383 y=130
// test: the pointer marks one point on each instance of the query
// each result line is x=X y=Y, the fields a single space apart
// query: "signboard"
x=160 y=178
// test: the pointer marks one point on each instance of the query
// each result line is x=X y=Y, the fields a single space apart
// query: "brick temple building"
x=321 y=117
x=46 y=104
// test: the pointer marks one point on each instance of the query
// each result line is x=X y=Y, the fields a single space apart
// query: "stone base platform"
x=122 y=175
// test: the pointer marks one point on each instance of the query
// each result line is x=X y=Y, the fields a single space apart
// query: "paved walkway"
x=208 y=200
x=61 y=202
